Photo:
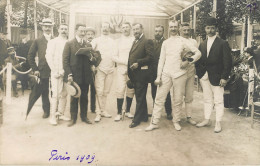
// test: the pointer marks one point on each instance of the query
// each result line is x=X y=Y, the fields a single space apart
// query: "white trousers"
x=59 y=95
x=121 y=86
x=161 y=94
x=189 y=88
x=213 y=98
x=103 y=84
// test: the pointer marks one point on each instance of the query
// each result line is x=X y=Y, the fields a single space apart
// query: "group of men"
x=165 y=63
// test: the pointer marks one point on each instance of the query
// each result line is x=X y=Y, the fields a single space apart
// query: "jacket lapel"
x=213 y=46
x=135 y=45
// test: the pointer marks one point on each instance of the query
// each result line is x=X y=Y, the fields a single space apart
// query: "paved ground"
x=114 y=143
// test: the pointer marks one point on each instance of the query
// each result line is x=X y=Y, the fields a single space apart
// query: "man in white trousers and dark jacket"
x=172 y=72
x=213 y=70
x=54 y=59
x=124 y=44
x=104 y=76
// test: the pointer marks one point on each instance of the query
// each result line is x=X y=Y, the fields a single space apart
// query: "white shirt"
x=54 y=53
x=124 y=44
x=47 y=37
x=209 y=44
x=170 y=57
x=107 y=48
x=79 y=40
x=191 y=67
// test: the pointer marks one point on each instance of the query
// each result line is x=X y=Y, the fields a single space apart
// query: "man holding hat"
x=53 y=56
x=42 y=70
x=77 y=61
x=213 y=69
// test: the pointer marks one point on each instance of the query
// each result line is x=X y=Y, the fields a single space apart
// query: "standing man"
x=139 y=72
x=90 y=34
x=104 y=76
x=189 y=86
x=157 y=42
x=42 y=70
x=78 y=69
x=124 y=44
x=213 y=70
x=171 y=72
x=53 y=56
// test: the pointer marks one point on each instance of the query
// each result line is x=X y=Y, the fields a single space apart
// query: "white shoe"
x=205 y=122
x=177 y=126
x=191 y=121
x=63 y=117
x=53 y=121
x=217 y=127
x=129 y=115
x=98 y=118
x=105 y=114
x=151 y=127
x=118 y=118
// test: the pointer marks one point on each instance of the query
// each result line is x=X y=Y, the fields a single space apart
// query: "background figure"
x=42 y=70
x=157 y=42
x=104 y=76
x=53 y=56
x=90 y=35
x=124 y=44
x=140 y=72
x=213 y=70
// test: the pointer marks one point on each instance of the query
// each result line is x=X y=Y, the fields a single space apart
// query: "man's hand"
x=184 y=64
x=94 y=70
x=223 y=83
x=158 y=81
x=134 y=66
x=70 y=78
x=37 y=73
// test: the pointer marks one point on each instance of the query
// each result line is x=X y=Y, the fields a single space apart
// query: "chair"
x=253 y=113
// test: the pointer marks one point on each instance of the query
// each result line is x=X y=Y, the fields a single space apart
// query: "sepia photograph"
x=130 y=82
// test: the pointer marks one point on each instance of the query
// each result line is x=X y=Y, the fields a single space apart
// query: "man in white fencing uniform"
x=124 y=44
x=185 y=32
x=172 y=72
x=104 y=77
x=54 y=59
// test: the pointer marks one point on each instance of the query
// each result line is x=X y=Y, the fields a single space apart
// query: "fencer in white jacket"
x=124 y=44
x=54 y=59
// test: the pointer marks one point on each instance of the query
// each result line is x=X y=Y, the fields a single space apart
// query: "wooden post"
x=214 y=8
x=35 y=20
x=249 y=32
x=194 y=18
x=9 y=10
x=72 y=22
x=181 y=17
x=242 y=44
x=8 y=83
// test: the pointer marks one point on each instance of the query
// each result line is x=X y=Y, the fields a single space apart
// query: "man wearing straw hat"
x=53 y=56
x=42 y=70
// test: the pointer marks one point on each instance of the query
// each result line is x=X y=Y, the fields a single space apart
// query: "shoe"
x=150 y=115
x=145 y=120
x=169 y=116
x=62 y=117
x=98 y=118
x=204 y=123
x=151 y=127
x=106 y=115
x=191 y=121
x=45 y=115
x=93 y=111
x=118 y=118
x=177 y=126
x=217 y=127
x=133 y=124
x=72 y=123
x=87 y=121
x=53 y=121
x=129 y=115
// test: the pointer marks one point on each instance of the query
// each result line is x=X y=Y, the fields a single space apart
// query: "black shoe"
x=149 y=115
x=45 y=115
x=87 y=121
x=72 y=123
x=93 y=111
x=169 y=116
x=133 y=124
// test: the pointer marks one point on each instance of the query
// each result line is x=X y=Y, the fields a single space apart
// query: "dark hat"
x=211 y=21
x=129 y=84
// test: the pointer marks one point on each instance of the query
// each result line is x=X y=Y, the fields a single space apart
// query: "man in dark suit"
x=139 y=72
x=213 y=69
x=42 y=70
x=78 y=69
x=157 y=42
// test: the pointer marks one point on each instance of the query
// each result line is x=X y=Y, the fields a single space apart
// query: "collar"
x=47 y=37
x=212 y=38
x=79 y=39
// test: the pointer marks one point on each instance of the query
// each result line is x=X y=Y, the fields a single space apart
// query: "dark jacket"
x=157 y=51
x=77 y=65
x=3 y=51
x=219 y=62
x=142 y=53
x=39 y=46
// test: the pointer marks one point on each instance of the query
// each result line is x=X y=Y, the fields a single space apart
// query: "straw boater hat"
x=73 y=89
x=211 y=21
x=46 y=21
x=90 y=29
